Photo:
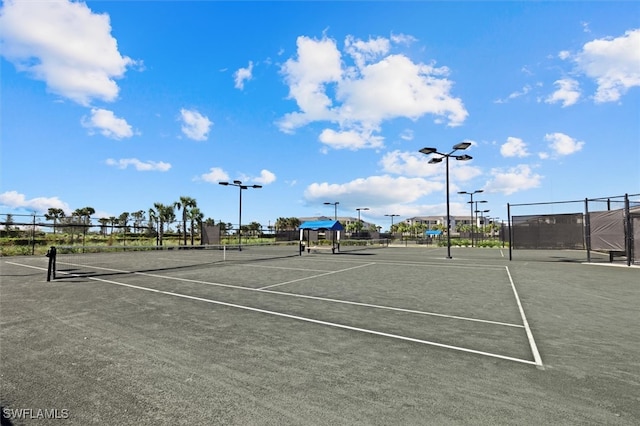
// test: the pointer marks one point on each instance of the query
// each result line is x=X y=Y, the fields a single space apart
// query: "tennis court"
x=396 y=335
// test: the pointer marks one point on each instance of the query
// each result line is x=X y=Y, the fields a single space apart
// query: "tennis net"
x=88 y=261
x=357 y=245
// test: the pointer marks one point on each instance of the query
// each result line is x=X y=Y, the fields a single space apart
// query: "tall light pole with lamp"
x=359 y=220
x=477 y=191
x=335 y=207
x=476 y=210
x=391 y=216
x=457 y=147
x=335 y=217
x=241 y=187
x=482 y=212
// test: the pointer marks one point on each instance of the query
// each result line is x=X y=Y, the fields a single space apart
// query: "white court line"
x=421 y=264
x=315 y=276
x=300 y=296
x=532 y=342
x=314 y=321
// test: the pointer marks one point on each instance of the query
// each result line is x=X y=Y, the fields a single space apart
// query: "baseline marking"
x=532 y=342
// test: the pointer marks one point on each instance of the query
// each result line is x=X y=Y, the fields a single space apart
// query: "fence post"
x=510 y=231
x=587 y=229
x=628 y=236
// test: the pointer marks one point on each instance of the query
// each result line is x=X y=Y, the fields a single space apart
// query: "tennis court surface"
x=395 y=335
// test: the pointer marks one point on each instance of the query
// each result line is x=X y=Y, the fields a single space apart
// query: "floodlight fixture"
x=461 y=146
x=427 y=151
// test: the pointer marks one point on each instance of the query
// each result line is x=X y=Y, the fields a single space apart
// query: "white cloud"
x=215 y=175
x=564 y=54
x=378 y=86
x=266 y=177
x=374 y=190
x=614 y=63
x=513 y=180
x=242 y=75
x=562 y=144
x=141 y=166
x=15 y=200
x=407 y=163
x=350 y=139
x=416 y=164
x=195 y=125
x=403 y=39
x=366 y=51
x=107 y=124
x=568 y=92
x=514 y=95
x=64 y=44
x=514 y=147
x=407 y=135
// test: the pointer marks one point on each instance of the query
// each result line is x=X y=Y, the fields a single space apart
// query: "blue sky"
x=119 y=105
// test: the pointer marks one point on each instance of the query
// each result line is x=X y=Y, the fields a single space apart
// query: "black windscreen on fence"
x=554 y=231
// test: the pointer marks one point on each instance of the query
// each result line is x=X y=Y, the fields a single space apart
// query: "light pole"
x=335 y=206
x=457 y=147
x=391 y=216
x=482 y=212
x=471 y=208
x=335 y=217
x=241 y=187
x=360 y=221
x=476 y=210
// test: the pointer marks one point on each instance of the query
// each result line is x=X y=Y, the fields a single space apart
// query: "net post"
x=51 y=269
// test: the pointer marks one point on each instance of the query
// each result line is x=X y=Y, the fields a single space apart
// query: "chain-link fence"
x=609 y=226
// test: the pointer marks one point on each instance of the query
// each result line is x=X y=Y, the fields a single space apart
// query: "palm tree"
x=185 y=204
x=138 y=217
x=112 y=221
x=104 y=221
x=254 y=228
x=293 y=223
x=196 y=217
x=163 y=214
x=9 y=222
x=84 y=218
x=153 y=221
x=123 y=220
x=54 y=214
x=402 y=228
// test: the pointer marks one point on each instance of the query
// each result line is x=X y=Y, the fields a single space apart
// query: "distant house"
x=436 y=221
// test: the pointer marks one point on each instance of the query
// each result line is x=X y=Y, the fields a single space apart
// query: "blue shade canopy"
x=432 y=232
x=315 y=225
